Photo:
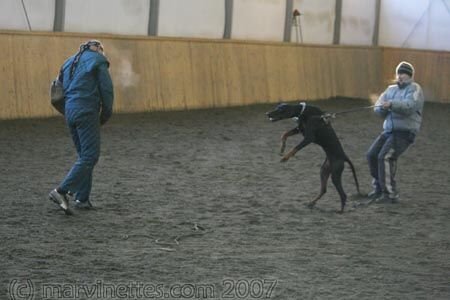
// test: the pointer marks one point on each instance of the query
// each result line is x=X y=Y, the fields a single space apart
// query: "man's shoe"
x=60 y=200
x=387 y=198
x=375 y=194
x=83 y=204
x=394 y=198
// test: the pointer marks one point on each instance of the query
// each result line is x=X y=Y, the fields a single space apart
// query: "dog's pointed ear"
x=281 y=105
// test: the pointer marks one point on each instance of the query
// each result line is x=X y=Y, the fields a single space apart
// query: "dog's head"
x=285 y=111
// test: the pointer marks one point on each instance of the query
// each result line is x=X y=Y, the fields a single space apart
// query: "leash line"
x=333 y=115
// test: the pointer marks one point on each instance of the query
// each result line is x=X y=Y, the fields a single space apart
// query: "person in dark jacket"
x=401 y=107
x=89 y=95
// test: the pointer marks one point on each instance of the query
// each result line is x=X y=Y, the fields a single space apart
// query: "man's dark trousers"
x=85 y=130
x=382 y=158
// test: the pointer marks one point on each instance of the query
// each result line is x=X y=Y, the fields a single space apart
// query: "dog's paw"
x=284 y=159
x=310 y=205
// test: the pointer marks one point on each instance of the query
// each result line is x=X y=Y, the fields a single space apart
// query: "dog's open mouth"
x=272 y=118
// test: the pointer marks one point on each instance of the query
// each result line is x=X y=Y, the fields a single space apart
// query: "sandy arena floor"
x=211 y=180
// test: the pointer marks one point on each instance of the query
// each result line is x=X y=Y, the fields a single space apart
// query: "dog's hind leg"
x=325 y=172
x=336 y=177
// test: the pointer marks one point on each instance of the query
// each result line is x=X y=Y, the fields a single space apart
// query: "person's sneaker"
x=387 y=198
x=394 y=198
x=375 y=194
x=60 y=200
x=83 y=204
x=70 y=195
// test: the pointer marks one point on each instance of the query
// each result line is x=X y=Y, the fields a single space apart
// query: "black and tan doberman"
x=316 y=128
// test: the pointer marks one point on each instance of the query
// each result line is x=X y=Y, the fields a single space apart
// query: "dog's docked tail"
x=354 y=174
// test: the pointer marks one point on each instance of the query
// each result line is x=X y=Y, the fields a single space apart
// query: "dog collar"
x=303 y=105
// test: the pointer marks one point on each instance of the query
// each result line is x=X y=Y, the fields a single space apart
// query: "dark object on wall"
x=57 y=95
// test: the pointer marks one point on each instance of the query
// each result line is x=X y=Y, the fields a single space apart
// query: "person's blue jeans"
x=382 y=158
x=85 y=130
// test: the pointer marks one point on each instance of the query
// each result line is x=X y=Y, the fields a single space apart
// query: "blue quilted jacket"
x=90 y=90
x=406 y=111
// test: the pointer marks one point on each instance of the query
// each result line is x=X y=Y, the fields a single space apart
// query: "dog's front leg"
x=284 y=137
x=294 y=150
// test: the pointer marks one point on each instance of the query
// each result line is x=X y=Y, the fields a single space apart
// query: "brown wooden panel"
x=167 y=73
x=8 y=83
x=432 y=70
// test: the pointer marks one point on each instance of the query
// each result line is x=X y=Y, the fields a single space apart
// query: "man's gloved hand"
x=387 y=105
x=326 y=117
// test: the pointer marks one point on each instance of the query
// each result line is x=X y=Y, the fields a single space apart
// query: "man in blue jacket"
x=89 y=95
x=401 y=107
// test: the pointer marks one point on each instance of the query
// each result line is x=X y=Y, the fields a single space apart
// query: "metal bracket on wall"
x=153 y=18
x=26 y=15
x=228 y=19
x=58 y=21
